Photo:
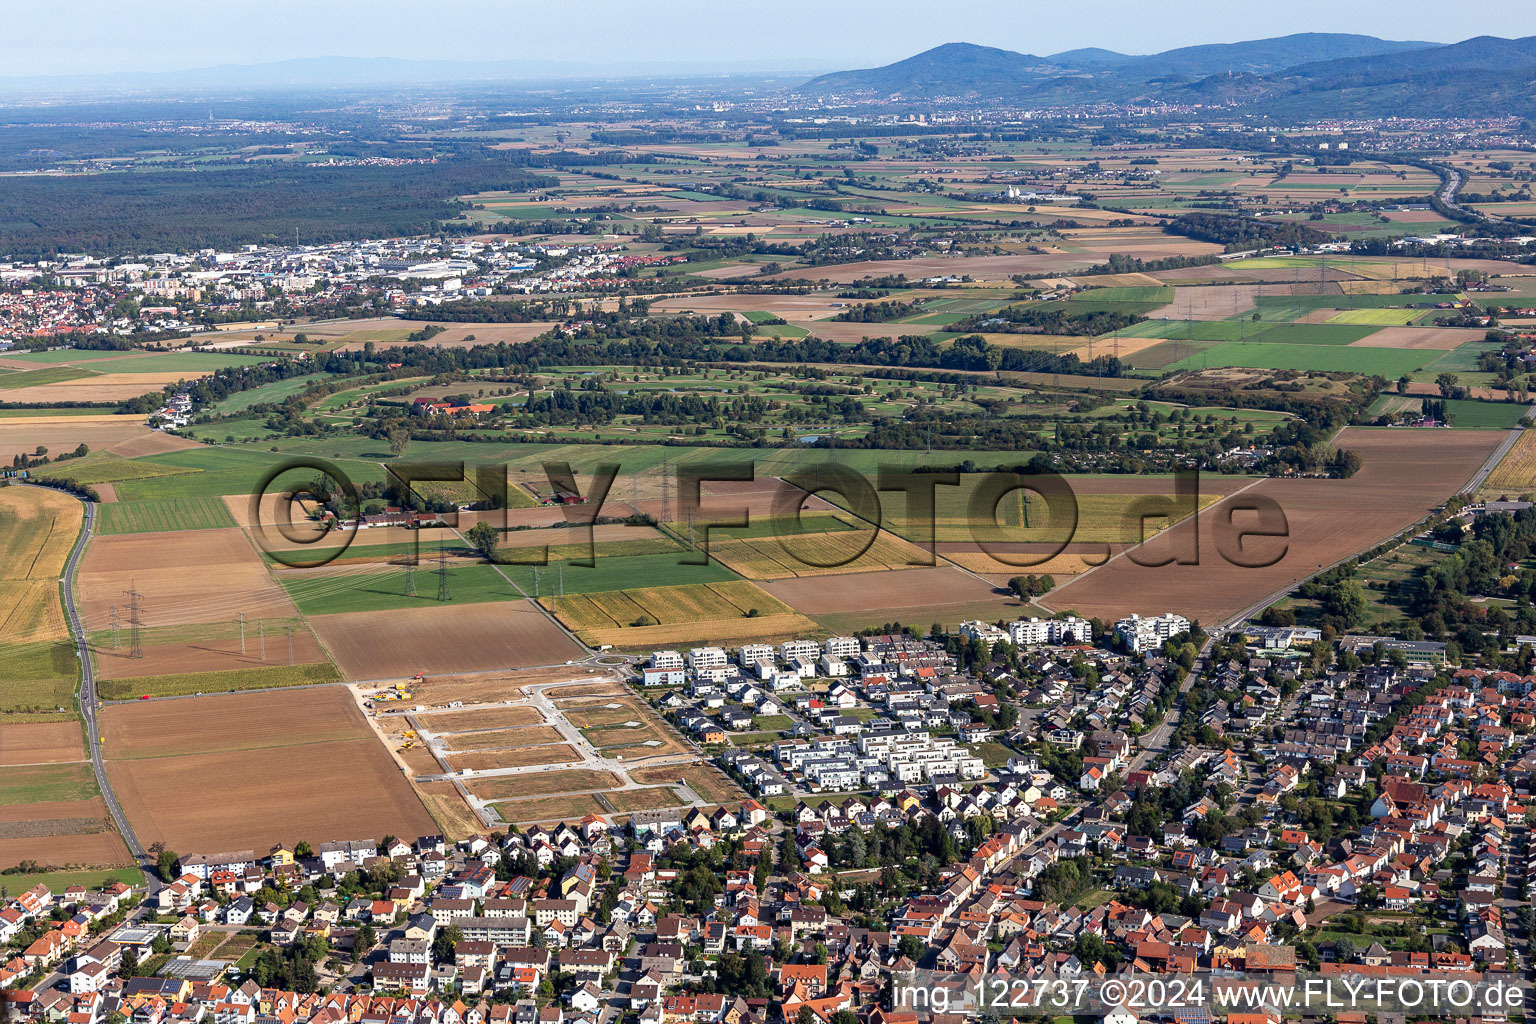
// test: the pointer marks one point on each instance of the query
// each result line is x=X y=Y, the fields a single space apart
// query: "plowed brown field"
x=1404 y=474
x=233 y=771
x=468 y=638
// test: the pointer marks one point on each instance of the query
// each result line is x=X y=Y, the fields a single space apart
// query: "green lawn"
x=163 y=516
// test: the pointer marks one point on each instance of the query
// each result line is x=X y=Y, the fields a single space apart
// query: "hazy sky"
x=89 y=36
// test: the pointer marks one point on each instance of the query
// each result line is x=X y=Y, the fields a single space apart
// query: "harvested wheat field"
x=897 y=590
x=285 y=765
x=1405 y=473
x=38 y=527
x=1435 y=339
x=63 y=434
x=182 y=577
x=464 y=335
x=449 y=638
x=1516 y=472
x=659 y=616
x=155 y=442
x=105 y=387
x=40 y=742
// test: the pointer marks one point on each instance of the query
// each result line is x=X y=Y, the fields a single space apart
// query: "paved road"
x=87 y=699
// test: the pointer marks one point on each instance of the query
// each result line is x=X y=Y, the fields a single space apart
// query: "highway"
x=87 y=700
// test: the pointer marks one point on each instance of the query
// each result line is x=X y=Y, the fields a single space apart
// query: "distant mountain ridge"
x=1309 y=74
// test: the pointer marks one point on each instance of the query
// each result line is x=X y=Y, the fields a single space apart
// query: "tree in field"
x=484 y=538
x=398 y=439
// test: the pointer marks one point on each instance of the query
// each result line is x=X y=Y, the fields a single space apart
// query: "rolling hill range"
x=1307 y=75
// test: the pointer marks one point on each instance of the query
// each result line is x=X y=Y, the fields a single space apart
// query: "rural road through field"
x=87 y=699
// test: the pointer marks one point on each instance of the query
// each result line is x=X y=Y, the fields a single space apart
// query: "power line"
x=242 y=634
x=114 y=627
x=410 y=577
x=261 y=636
x=442 y=573
x=135 y=623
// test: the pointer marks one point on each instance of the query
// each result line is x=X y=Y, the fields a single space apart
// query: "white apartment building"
x=666 y=659
x=987 y=633
x=1148 y=634
x=804 y=650
x=1034 y=632
x=707 y=657
x=841 y=646
x=755 y=654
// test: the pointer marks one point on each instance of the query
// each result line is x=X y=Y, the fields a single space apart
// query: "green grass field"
x=47 y=783
x=227 y=470
x=277 y=391
x=365 y=591
x=218 y=682
x=1310 y=302
x=1128 y=293
x=58 y=881
x=163 y=516
x=37 y=677
x=1192 y=330
x=1386 y=362
x=1468 y=414
x=1377 y=317
x=104 y=467
x=45 y=375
